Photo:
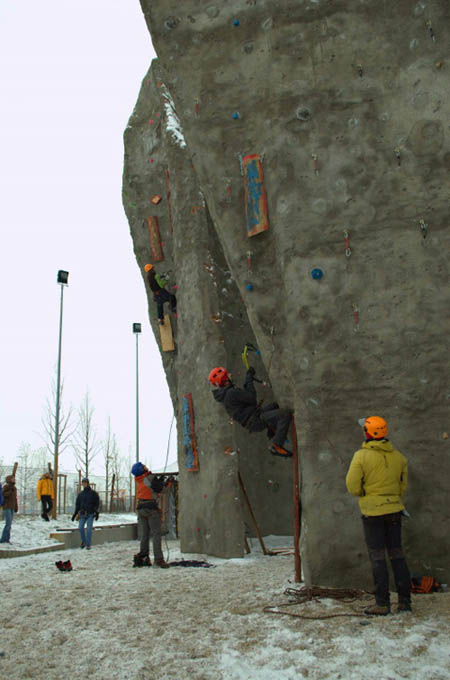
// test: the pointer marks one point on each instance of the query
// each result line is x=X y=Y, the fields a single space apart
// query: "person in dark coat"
x=160 y=294
x=9 y=506
x=241 y=404
x=87 y=508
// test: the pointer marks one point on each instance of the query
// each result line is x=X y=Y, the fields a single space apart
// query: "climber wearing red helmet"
x=241 y=404
x=157 y=285
x=378 y=475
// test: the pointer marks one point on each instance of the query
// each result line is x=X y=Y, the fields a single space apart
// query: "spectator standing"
x=45 y=494
x=87 y=508
x=9 y=506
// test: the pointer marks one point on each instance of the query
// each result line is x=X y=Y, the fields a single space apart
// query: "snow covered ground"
x=108 y=621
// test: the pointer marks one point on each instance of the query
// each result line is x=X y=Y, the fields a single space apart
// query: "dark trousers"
x=382 y=533
x=47 y=504
x=149 y=523
x=160 y=298
x=275 y=420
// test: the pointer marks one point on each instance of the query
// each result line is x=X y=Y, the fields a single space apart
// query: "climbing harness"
x=313 y=594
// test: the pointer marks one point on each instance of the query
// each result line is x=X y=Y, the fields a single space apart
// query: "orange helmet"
x=376 y=427
x=218 y=376
x=148 y=267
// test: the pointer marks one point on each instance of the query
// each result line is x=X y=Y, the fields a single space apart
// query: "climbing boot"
x=403 y=607
x=280 y=451
x=377 y=610
x=67 y=565
x=162 y=563
x=60 y=565
x=146 y=562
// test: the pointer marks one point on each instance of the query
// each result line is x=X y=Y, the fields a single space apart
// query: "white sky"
x=70 y=74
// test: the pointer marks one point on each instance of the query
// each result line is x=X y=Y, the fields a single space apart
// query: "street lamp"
x=62 y=279
x=137 y=329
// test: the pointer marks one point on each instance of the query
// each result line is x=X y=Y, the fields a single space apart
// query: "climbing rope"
x=313 y=594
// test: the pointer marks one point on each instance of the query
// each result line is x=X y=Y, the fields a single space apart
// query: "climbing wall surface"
x=347 y=104
x=211 y=329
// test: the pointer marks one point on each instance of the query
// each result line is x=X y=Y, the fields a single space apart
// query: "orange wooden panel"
x=155 y=239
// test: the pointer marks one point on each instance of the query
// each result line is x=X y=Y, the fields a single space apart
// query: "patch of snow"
x=173 y=124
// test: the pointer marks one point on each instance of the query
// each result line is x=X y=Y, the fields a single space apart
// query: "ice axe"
x=248 y=347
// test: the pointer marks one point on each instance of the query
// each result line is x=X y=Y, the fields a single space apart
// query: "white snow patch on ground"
x=108 y=621
x=29 y=532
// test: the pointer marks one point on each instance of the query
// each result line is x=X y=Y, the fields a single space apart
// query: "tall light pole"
x=137 y=330
x=62 y=279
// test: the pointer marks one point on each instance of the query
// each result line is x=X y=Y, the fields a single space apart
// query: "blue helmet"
x=137 y=469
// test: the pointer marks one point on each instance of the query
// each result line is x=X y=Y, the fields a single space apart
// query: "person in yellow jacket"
x=378 y=475
x=44 y=493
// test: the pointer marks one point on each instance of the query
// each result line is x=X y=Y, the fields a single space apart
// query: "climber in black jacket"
x=241 y=404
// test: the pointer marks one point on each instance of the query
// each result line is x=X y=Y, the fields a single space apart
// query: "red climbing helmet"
x=218 y=376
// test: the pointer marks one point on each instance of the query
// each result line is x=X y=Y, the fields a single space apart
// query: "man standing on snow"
x=9 y=506
x=378 y=475
x=87 y=507
x=157 y=285
x=149 y=520
x=241 y=404
x=44 y=493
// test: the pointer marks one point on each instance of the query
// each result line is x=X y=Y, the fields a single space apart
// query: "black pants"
x=382 y=533
x=164 y=296
x=149 y=523
x=47 y=504
x=275 y=420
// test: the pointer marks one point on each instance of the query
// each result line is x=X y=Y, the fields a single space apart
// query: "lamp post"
x=137 y=330
x=62 y=280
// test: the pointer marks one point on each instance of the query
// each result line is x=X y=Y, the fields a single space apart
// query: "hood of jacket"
x=382 y=445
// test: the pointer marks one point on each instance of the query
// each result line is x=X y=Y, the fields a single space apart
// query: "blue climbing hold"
x=249 y=286
x=317 y=274
x=235 y=115
x=236 y=22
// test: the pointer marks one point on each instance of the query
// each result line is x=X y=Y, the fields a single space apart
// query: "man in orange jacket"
x=378 y=475
x=149 y=521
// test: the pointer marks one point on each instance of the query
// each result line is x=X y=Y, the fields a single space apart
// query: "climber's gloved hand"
x=96 y=516
x=251 y=372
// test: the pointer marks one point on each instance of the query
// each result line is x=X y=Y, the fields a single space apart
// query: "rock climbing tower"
x=301 y=153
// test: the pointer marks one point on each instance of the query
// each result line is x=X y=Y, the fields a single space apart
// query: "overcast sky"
x=70 y=76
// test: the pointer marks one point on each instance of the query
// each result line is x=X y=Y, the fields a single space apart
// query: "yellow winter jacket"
x=378 y=474
x=44 y=488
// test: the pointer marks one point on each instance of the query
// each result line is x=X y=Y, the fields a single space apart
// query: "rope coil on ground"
x=313 y=594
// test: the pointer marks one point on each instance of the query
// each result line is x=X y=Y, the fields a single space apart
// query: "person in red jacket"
x=149 y=521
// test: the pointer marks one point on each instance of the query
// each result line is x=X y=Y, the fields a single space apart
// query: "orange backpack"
x=424 y=584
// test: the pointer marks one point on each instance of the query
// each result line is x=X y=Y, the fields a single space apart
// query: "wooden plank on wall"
x=255 y=195
x=165 y=331
x=155 y=239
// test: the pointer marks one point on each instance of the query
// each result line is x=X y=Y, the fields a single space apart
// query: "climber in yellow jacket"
x=45 y=494
x=378 y=475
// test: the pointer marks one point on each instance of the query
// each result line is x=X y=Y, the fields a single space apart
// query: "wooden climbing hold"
x=156 y=199
x=255 y=195
x=155 y=239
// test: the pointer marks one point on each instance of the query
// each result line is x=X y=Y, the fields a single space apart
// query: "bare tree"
x=25 y=455
x=84 y=441
x=49 y=419
x=109 y=444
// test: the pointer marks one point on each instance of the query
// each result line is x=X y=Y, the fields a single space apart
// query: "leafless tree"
x=84 y=441
x=24 y=476
x=49 y=422
x=109 y=446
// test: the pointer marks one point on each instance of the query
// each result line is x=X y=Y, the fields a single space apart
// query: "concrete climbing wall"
x=347 y=102
x=211 y=328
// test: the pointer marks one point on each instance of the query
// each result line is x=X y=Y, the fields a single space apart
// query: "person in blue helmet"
x=149 y=521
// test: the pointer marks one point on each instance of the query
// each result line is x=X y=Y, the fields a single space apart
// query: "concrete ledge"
x=100 y=534
x=70 y=538
x=32 y=551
